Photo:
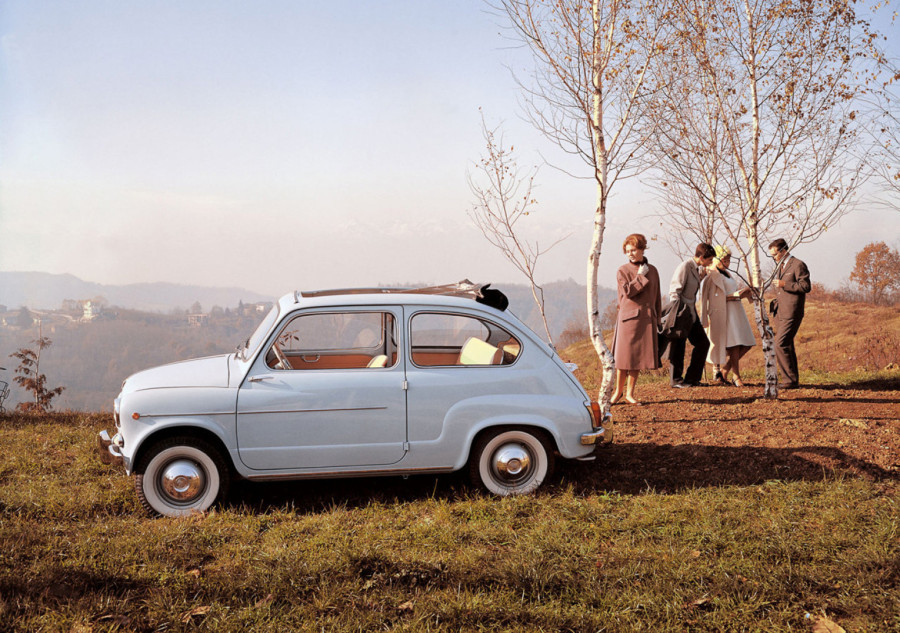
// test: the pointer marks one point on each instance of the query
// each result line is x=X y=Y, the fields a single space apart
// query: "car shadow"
x=321 y=495
x=637 y=468
x=629 y=469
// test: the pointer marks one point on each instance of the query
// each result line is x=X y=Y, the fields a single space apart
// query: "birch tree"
x=587 y=95
x=762 y=124
x=503 y=197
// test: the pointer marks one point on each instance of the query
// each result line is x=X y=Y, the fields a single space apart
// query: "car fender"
x=563 y=419
x=148 y=415
x=157 y=428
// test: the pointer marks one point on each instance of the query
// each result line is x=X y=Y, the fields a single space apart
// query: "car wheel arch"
x=537 y=429
x=194 y=432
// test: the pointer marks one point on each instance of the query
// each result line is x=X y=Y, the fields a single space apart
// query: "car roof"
x=460 y=294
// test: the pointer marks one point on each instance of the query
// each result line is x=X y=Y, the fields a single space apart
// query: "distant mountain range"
x=565 y=300
x=45 y=291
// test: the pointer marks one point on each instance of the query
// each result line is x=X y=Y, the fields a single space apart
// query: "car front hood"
x=198 y=372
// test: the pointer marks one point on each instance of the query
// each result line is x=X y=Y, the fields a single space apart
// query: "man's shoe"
x=680 y=385
x=696 y=383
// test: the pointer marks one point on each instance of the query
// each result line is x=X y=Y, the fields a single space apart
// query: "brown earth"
x=703 y=436
x=844 y=421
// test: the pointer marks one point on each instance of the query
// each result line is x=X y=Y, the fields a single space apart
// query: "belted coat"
x=635 y=343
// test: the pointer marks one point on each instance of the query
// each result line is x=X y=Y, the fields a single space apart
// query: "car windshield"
x=245 y=350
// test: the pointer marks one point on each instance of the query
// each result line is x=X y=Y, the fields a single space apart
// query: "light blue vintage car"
x=357 y=382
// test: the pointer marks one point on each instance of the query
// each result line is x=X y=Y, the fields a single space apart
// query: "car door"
x=328 y=391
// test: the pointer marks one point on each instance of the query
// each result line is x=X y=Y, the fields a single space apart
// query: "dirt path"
x=728 y=435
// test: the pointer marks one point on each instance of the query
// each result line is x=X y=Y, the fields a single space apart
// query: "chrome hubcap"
x=512 y=463
x=182 y=480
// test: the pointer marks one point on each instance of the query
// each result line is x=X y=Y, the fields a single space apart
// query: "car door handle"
x=259 y=378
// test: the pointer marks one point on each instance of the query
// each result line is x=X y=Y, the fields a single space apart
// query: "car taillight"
x=596 y=415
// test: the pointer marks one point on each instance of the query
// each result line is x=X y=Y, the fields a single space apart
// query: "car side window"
x=441 y=340
x=335 y=340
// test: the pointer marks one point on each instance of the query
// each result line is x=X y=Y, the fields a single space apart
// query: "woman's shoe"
x=737 y=382
x=615 y=399
x=719 y=379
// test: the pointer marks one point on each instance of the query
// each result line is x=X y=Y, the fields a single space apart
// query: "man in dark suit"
x=684 y=287
x=791 y=285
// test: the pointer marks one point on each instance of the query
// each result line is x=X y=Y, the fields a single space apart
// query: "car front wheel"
x=511 y=461
x=180 y=476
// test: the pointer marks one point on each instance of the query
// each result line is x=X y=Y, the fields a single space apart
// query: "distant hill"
x=45 y=291
x=565 y=300
x=91 y=359
x=566 y=304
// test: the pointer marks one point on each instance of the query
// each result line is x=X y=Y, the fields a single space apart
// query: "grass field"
x=659 y=534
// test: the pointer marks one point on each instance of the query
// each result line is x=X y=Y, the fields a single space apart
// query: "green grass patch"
x=429 y=554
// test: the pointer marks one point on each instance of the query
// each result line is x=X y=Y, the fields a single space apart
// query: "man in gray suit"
x=791 y=285
x=684 y=286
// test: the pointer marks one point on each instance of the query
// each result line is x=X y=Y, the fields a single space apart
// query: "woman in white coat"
x=723 y=317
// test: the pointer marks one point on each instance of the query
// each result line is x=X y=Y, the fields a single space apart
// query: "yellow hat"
x=722 y=252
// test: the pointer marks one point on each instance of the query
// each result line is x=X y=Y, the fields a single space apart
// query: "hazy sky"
x=282 y=145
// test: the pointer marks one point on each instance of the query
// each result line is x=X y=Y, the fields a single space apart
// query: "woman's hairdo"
x=635 y=239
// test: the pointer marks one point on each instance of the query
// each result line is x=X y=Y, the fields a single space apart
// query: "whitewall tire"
x=511 y=461
x=180 y=476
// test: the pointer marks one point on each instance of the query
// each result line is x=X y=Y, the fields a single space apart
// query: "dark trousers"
x=698 y=339
x=784 y=347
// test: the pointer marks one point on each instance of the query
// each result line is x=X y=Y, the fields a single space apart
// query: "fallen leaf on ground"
x=196 y=612
x=825 y=625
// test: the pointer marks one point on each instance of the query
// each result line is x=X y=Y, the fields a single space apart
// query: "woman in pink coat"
x=639 y=305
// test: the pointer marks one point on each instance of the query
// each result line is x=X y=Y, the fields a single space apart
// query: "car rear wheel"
x=180 y=476
x=511 y=461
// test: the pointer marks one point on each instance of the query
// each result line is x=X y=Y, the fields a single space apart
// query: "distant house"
x=252 y=309
x=198 y=319
x=90 y=310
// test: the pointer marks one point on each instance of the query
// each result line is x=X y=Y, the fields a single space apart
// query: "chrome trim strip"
x=339 y=474
x=313 y=410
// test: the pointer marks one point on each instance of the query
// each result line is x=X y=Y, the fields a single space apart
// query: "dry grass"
x=430 y=554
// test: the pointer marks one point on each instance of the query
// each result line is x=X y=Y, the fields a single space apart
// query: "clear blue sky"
x=281 y=145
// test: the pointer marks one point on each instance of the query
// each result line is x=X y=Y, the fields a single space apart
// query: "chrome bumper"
x=603 y=434
x=110 y=450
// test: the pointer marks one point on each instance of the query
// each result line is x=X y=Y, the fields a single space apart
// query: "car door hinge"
x=405 y=385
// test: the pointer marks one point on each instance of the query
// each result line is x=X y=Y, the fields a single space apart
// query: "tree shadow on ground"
x=623 y=468
x=887 y=383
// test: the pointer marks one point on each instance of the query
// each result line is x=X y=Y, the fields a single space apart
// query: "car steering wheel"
x=283 y=362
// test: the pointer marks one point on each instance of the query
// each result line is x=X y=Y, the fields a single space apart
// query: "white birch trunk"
x=607 y=361
x=766 y=334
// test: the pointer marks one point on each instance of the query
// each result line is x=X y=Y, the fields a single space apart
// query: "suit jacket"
x=792 y=298
x=685 y=284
